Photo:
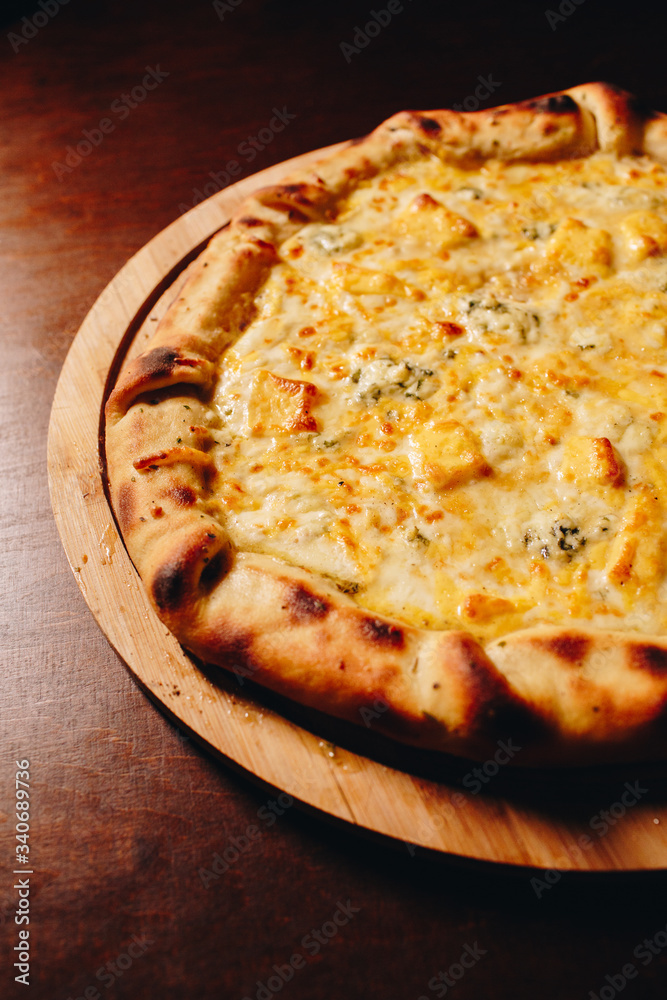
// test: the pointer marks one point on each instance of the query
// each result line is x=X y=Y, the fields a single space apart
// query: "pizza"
x=398 y=448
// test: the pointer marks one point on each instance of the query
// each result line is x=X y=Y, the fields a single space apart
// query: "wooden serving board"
x=565 y=820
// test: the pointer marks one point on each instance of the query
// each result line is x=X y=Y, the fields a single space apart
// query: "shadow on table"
x=564 y=793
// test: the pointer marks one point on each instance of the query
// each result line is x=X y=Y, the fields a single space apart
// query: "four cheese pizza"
x=401 y=440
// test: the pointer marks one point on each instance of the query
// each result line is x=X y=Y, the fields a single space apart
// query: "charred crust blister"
x=483 y=681
x=295 y=189
x=648 y=657
x=251 y=222
x=182 y=495
x=172 y=582
x=232 y=647
x=293 y=194
x=510 y=719
x=297 y=216
x=169 y=585
x=430 y=126
x=214 y=569
x=306 y=606
x=382 y=633
x=475 y=657
x=495 y=710
x=570 y=647
x=557 y=104
x=157 y=363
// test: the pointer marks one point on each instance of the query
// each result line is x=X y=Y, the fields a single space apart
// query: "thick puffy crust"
x=564 y=696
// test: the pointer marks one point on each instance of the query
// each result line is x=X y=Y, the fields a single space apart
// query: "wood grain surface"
x=127 y=813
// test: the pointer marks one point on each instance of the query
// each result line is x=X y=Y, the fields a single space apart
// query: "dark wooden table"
x=125 y=810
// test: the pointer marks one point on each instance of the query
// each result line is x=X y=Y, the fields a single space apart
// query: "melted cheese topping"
x=452 y=399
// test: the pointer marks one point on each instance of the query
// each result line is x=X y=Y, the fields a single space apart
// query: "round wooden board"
x=574 y=820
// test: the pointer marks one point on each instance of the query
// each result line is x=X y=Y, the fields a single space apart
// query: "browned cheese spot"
x=449 y=329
